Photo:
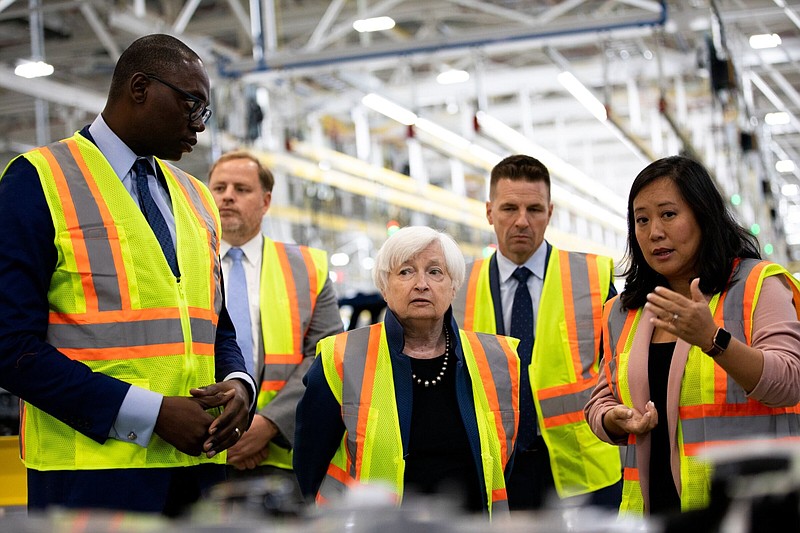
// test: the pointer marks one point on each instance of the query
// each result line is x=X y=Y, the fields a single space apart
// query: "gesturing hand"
x=622 y=420
x=687 y=319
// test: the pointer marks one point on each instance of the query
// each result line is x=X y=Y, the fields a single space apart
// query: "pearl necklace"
x=435 y=381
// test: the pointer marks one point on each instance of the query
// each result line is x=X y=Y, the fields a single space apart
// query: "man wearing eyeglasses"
x=113 y=328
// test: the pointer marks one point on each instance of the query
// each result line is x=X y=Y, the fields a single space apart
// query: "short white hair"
x=410 y=241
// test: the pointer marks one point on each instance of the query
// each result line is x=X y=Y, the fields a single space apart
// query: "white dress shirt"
x=508 y=283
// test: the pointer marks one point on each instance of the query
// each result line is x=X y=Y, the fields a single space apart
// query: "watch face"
x=722 y=339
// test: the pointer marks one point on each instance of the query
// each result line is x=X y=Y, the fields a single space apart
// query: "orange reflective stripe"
x=472 y=289
x=567 y=388
x=71 y=218
x=313 y=282
x=696 y=448
x=499 y=495
x=630 y=474
x=272 y=385
x=751 y=408
x=488 y=385
x=108 y=222
x=294 y=308
x=367 y=385
x=569 y=312
x=340 y=341
x=129 y=352
x=130 y=315
x=566 y=418
x=750 y=289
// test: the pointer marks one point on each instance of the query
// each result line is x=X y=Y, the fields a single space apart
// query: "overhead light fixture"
x=776 y=119
x=764 y=40
x=389 y=108
x=33 y=69
x=373 y=24
x=452 y=76
x=340 y=259
x=790 y=189
x=583 y=95
x=785 y=165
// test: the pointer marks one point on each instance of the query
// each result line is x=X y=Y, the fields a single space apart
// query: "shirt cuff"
x=247 y=378
x=137 y=416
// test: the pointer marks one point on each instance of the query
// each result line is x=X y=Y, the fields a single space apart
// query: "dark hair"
x=157 y=54
x=265 y=177
x=722 y=238
x=519 y=168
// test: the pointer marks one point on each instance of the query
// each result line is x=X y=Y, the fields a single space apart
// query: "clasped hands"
x=184 y=422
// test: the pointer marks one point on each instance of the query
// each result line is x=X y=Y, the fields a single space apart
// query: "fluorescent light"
x=367 y=263
x=785 y=165
x=33 y=69
x=583 y=95
x=340 y=259
x=776 y=119
x=452 y=76
x=790 y=189
x=764 y=40
x=390 y=109
x=373 y=24
x=442 y=133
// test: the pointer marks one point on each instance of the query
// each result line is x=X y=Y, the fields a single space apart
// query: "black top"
x=663 y=493
x=439 y=459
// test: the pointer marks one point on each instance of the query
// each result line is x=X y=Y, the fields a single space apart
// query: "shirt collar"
x=119 y=155
x=535 y=263
x=251 y=249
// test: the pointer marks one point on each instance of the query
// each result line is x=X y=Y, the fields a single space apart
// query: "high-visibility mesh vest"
x=564 y=363
x=358 y=369
x=713 y=408
x=116 y=306
x=292 y=278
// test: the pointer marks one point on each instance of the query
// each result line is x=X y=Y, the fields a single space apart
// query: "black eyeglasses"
x=199 y=110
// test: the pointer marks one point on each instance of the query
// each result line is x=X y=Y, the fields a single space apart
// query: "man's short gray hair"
x=410 y=241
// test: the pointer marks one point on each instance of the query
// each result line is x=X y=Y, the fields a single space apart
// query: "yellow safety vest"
x=712 y=406
x=292 y=278
x=358 y=369
x=563 y=369
x=116 y=306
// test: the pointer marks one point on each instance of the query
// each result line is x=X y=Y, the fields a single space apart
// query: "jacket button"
x=132 y=436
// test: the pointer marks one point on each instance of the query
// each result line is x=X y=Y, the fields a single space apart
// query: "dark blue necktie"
x=238 y=304
x=153 y=215
x=522 y=328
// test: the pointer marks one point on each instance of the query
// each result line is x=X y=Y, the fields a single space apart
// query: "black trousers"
x=531 y=484
x=166 y=491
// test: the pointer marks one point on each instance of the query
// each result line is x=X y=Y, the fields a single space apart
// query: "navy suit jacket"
x=31 y=368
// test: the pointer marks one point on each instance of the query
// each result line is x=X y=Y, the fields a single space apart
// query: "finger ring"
x=238 y=433
x=674 y=318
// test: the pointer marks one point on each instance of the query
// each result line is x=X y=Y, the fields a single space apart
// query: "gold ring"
x=238 y=433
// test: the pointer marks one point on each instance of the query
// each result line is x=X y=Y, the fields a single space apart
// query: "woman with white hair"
x=413 y=403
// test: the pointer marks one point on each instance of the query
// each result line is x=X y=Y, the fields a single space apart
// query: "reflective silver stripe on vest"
x=305 y=306
x=131 y=333
x=497 y=362
x=629 y=456
x=584 y=303
x=565 y=403
x=733 y=309
x=331 y=487
x=302 y=285
x=211 y=224
x=95 y=235
x=500 y=506
x=745 y=427
x=353 y=367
